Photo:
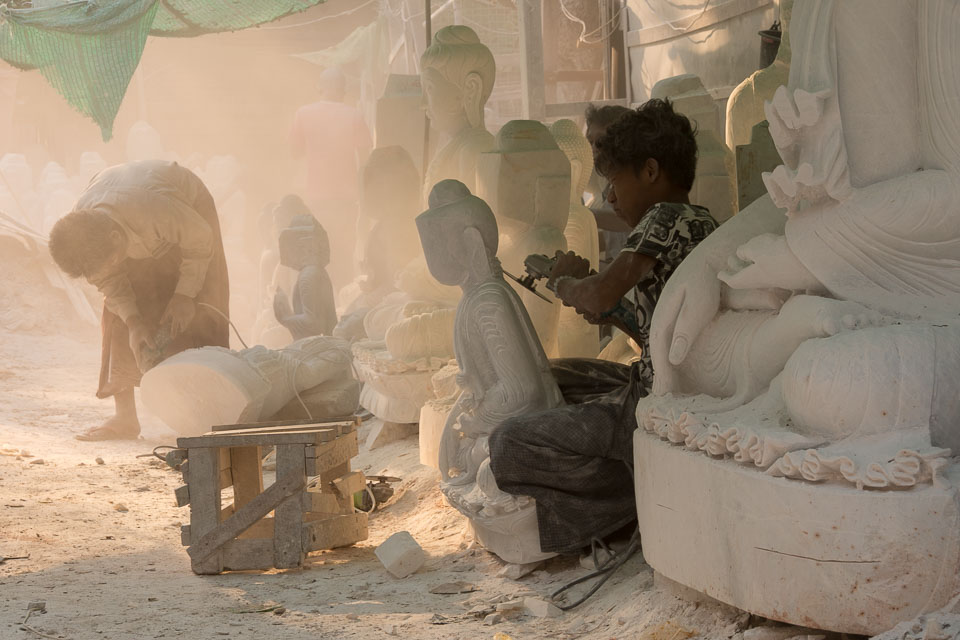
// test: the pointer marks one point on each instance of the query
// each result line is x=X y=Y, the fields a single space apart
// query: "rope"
x=322 y=18
x=604 y=571
x=225 y=317
x=670 y=24
x=584 y=35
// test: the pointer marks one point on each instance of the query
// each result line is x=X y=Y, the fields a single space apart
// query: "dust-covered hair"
x=456 y=52
x=604 y=116
x=80 y=242
x=653 y=130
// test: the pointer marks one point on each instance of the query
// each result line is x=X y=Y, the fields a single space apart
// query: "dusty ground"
x=103 y=542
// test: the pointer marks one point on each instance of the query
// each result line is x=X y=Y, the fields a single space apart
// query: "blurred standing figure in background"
x=146 y=234
x=334 y=142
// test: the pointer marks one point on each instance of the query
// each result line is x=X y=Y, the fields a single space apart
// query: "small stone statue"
x=503 y=369
x=304 y=246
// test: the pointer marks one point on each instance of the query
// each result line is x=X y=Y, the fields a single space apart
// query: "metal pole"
x=428 y=19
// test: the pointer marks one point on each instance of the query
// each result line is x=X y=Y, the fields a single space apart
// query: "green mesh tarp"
x=88 y=50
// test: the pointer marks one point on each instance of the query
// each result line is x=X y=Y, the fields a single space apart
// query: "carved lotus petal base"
x=827 y=556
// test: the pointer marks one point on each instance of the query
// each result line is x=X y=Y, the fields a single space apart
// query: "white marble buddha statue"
x=526 y=181
x=457 y=73
x=853 y=378
x=503 y=369
x=577 y=338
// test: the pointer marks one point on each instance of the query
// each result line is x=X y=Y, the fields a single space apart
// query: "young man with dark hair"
x=576 y=460
x=146 y=234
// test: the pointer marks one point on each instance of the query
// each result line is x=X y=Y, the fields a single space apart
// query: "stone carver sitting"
x=146 y=234
x=575 y=460
x=304 y=246
x=503 y=369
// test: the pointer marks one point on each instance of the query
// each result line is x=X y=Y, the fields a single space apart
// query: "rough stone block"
x=541 y=608
x=401 y=555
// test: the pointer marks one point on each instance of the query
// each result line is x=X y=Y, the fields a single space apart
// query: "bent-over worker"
x=146 y=234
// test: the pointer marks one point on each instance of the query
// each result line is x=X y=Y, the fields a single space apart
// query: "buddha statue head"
x=459 y=236
x=526 y=179
x=457 y=72
x=577 y=148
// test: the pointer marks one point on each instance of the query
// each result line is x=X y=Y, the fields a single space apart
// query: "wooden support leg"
x=288 y=516
x=245 y=465
x=204 y=485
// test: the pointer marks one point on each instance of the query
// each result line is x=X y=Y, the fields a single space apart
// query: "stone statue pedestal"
x=827 y=556
x=393 y=390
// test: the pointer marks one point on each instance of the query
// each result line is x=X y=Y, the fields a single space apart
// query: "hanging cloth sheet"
x=88 y=50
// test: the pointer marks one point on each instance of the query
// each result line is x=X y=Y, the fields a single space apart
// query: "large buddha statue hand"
x=693 y=295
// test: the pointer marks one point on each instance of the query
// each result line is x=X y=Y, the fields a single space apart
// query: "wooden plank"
x=332 y=473
x=280 y=426
x=246 y=554
x=324 y=503
x=204 y=508
x=261 y=529
x=350 y=483
x=247 y=474
x=532 y=98
x=211 y=539
x=334 y=453
x=625 y=29
x=313 y=436
x=226 y=478
x=182 y=494
x=288 y=516
x=338 y=531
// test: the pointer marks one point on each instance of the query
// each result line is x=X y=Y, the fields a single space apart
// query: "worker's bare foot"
x=115 y=428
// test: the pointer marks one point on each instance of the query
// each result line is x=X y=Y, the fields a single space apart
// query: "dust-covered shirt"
x=667 y=232
x=152 y=201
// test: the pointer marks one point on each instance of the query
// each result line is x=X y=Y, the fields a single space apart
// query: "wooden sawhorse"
x=311 y=499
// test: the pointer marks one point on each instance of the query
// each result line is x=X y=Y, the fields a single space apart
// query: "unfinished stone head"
x=503 y=369
x=577 y=338
x=850 y=382
x=457 y=72
x=526 y=180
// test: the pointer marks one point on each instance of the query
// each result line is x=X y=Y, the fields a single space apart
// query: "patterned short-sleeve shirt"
x=668 y=232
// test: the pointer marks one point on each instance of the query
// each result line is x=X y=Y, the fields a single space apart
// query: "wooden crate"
x=309 y=507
